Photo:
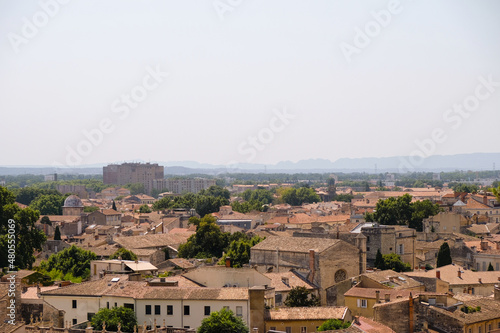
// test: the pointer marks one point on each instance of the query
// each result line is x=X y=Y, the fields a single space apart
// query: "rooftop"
x=306 y=313
x=299 y=244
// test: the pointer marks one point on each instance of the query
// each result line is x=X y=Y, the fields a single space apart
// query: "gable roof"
x=306 y=313
x=297 y=244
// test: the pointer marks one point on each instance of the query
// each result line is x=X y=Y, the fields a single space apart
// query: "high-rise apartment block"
x=122 y=174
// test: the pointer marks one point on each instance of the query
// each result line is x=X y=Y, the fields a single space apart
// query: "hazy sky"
x=246 y=81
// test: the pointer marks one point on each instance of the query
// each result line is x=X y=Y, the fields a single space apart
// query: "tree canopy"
x=72 y=260
x=296 y=197
x=223 y=321
x=48 y=204
x=205 y=202
x=111 y=317
x=27 y=237
x=401 y=211
x=300 y=297
x=239 y=250
x=208 y=241
x=333 y=324
x=392 y=261
x=124 y=254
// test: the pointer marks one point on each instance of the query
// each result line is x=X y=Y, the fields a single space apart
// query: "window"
x=484 y=265
x=288 y=329
x=473 y=293
x=187 y=326
x=90 y=315
x=74 y=321
x=367 y=239
x=401 y=249
x=278 y=298
x=157 y=310
x=170 y=310
x=390 y=249
x=186 y=310
x=116 y=305
x=303 y=329
x=239 y=311
x=207 y=311
x=148 y=309
x=480 y=329
x=107 y=305
x=128 y=306
x=489 y=327
x=361 y=303
x=226 y=307
x=272 y=328
x=367 y=249
x=74 y=304
x=497 y=265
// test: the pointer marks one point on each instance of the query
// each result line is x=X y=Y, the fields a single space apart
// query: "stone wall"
x=335 y=294
x=395 y=315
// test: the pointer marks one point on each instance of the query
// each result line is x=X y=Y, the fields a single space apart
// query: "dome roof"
x=73 y=201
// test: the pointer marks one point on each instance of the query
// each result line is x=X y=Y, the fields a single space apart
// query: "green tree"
x=125 y=316
x=48 y=204
x=57 y=233
x=207 y=242
x=444 y=255
x=333 y=324
x=297 y=197
x=135 y=188
x=216 y=191
x=462 y=187
x=90 y=209
x=490 y=267
x=72 y=260
x=239 y=251
x=300 y=297
x=27 y=237
x=124 y=254
x=223 y=321
x=27 y=194
x=394 y=262
x=144 y=209
x=45 y=220
x=420 y=211
x=344 y=197
x=379 y=260
x=209 y=204
x=401 y=211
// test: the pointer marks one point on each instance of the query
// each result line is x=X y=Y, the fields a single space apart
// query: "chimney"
x=459 y=273
x=484 y=245
x=387 y=297
x=228 y=262
x=411 y=314
x=438 y=275
x=480 y=280
x=485 y=200
x=311 y=264
x=38 y=289
x=377 y=296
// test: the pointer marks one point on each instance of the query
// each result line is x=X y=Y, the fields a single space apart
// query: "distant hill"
x=475 y=162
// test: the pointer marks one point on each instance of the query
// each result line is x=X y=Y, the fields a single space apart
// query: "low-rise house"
x=105 y=217
x=323 y=262
x=461 y=279
x=282 y=283
x=303 y=319
x=485 y=252
x=176 y=300
x=389 y=279
x=484 y=317
x=99 y=268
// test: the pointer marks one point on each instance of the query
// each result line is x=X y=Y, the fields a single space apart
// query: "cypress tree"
x=444 y=255
x=57 y=234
